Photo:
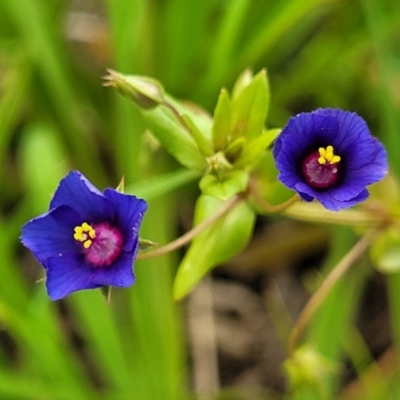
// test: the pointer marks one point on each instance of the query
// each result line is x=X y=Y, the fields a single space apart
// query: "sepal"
x=145 y=244
x=106 y=292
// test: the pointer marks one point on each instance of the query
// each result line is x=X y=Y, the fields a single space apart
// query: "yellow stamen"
x=327 y=155
x=82 y=234
x=87 y=244
x=86 y=227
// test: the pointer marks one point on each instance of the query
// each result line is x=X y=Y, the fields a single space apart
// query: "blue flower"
x=87 y=239
x=329 y=155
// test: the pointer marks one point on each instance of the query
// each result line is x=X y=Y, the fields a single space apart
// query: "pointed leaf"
x=249 y=108
x=242 y=82
x=253 y=151
x=221 y=129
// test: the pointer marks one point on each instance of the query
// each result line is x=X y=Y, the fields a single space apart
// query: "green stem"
x=190 y=235
x=320 y=295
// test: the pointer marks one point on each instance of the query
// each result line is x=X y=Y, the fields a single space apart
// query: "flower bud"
x=147 y=93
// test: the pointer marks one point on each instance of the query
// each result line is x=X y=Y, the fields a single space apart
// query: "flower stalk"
x=320 y=295
x=190 y=235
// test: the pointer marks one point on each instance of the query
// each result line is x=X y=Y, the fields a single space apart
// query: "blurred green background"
x=56 y=116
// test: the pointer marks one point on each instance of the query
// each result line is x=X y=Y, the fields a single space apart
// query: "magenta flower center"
x=101 y=243
x=321 y=168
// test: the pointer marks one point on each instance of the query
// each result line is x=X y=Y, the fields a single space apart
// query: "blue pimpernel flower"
x=87 y=239
x=329 y=155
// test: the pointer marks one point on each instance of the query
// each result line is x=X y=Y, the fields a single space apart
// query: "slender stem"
x=271 y=208
x=190 y=235
x=322 y=292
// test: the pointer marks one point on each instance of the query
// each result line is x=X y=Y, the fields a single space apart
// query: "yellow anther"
x=86 y=227
x=87 y=244
x=82 y=234
x=327 y=155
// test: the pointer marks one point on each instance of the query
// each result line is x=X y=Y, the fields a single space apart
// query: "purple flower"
x=87 y=239
x=329 y=155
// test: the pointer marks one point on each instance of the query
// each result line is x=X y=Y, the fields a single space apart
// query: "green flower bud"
x=147 y=93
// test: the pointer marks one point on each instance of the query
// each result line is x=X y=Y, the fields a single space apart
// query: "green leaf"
x=385 y=251
x=216 y=244
x=221 y=129
x=253 y=151
x=249 y=108
x=234 y=182
x=244 y=80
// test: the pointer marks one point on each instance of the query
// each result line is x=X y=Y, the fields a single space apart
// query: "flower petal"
x=327 y=198
x=306 y=192
x=297 y=140
x=370 y=161
x=350 y=127
x=306 y=130
x=129 y=215
x=67 y=274
x=355 y=180
x=51 y=233
x=78 y=193
x=120 y=273
x=332 y=204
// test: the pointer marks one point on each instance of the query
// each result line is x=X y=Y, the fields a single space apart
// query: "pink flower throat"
x=101 y=243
